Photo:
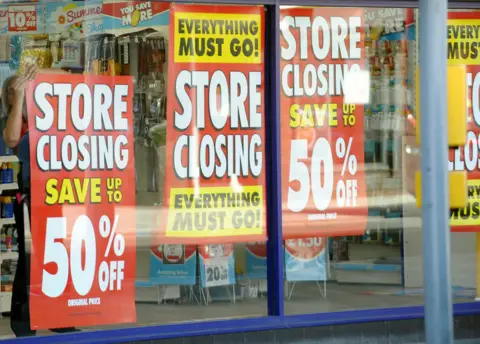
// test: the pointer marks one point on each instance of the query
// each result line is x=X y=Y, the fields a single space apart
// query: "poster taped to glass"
x=215 y=188
x=322 y=122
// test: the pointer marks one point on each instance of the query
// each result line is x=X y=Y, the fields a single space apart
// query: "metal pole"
x=435 y=193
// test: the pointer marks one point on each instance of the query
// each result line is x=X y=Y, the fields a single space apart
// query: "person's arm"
x=13 y=129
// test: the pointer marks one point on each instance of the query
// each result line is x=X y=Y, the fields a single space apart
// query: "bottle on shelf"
x=4 y=173
x=7 y=208
x=9 y=173
x=3 y=237
x=8 y=239
x=4 y=150
x=14 y=237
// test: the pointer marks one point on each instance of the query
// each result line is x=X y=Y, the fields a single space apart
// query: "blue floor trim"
x=241 y=325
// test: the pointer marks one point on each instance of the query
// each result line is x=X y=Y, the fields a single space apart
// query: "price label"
x=82 y=267
x=22 y=18
x=318 y=182
x=305 y=248
x=216 y=272
x=215 y=250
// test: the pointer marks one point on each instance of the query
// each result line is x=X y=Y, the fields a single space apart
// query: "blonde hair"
x=5 y=93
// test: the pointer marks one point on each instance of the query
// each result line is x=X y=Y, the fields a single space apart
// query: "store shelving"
x=12 y=254
x=9 y=186
x=9 y=255
x=4 y=222
x=8 y=158
x=6 y=296
x=5 y=301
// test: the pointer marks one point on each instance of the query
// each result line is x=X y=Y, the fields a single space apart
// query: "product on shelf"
x=14 y=236
x=73 y=54
x=56 y=49
x=4 y=173
x=3 y=235
x=4 y=48
x=7 y=288
x=8 y=269
x=124 y=55
x=8 y=239
x=36 y=50
x=101 y=55
x=16 y=47
x=4 y=149
x=7 y=208
x=7 y=173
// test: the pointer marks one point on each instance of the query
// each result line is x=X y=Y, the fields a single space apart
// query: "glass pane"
x=351 y=227
x=366 y=253
x=137 y=133
x=462 y=34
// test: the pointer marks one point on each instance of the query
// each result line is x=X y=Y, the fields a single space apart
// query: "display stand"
x=291 y=286
x=6 y=296
x=322 y=285
x=206 y=298
x=255 y=287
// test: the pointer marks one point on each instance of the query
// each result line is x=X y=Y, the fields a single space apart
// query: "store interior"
x=380 y=269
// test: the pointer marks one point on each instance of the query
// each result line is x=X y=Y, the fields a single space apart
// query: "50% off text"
x=82 y=266
x=318 y=181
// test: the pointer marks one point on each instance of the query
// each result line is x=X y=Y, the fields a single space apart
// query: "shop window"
x=145 y=128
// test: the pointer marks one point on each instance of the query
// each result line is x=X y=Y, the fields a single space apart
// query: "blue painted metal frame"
x=275 y=290
x=276 y=318
x=240 y=325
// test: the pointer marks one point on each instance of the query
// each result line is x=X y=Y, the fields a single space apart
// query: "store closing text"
x=467 y=158
x=231 y=103
x=97 y=110
x=336 y=39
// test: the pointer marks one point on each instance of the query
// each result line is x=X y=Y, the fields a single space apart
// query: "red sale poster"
x=322 y=130
x=82 y=201
x=215 y=180
x=461 y=50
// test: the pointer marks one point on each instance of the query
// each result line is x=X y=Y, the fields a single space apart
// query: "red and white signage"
x=22 y=18
x=83 y=201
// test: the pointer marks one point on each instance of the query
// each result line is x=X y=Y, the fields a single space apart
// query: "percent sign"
x=30 y=19
x=346 y=189
x=112 y=272
x=107 y=231
x=343 y=152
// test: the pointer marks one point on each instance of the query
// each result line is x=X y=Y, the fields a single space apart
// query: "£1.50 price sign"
x=82 y=200
x=323 y=183
x=22 y=18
